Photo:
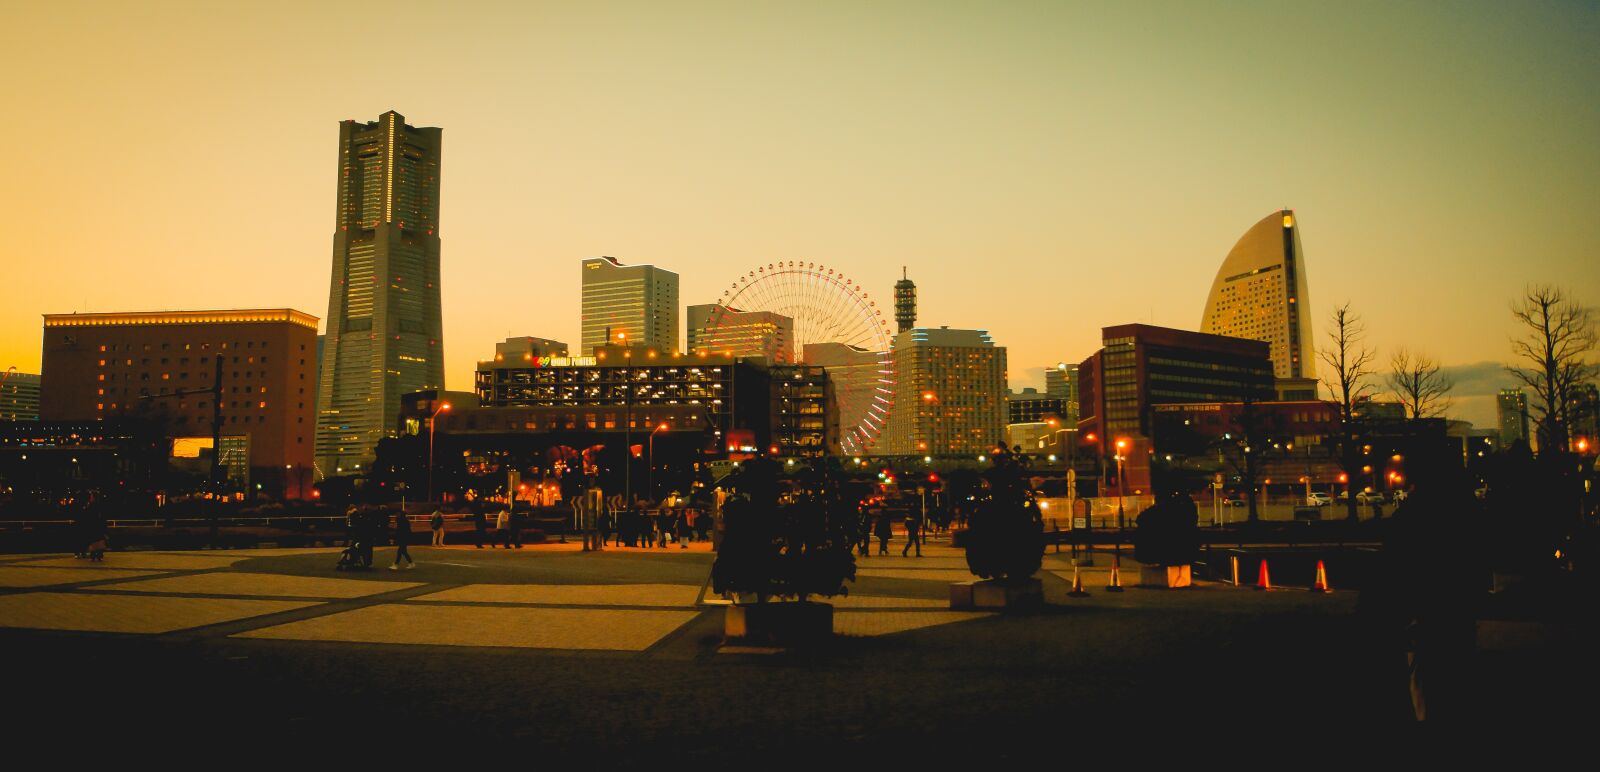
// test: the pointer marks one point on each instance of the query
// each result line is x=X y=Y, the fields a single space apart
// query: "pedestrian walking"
x=436 y=523
x=402 y=538
x=479 y=526
x=502 y=529
x=884 y=530
x=913 y=534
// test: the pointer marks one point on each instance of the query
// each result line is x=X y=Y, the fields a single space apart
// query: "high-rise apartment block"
x=19 y=397
x=1511 y=405
x=633 y=305
x=950 y=394
x=384 y=335
x=1260 y=293
x=715 y=327
x=164 y=366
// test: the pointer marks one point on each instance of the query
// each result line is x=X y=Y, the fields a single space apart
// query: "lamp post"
x=443 y=406
x=1122 y=482
x=650 y=480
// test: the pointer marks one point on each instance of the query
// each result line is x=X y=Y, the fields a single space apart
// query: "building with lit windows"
x=1512 y=407
x=19 y=397
x=715 y=327
x=1141 y=365
x=790 y=408
x=1260 y=293
x=950 y=394
x=165 y=366
x=384 y=333
x=633 y=305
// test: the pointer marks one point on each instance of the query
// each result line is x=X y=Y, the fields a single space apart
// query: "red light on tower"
x=933 y=477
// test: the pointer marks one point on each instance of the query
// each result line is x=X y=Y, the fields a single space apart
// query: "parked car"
x=1319 y=500
x=1365 y=497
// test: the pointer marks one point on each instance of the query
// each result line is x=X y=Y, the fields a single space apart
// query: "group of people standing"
x=636 y=526
x=505 y=530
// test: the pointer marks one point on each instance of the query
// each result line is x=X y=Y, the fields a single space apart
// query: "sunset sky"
x=1042 y=169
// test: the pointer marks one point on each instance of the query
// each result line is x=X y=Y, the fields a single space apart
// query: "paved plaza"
x=563 y=648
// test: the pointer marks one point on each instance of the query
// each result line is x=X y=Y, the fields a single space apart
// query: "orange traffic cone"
x=1077 y=584
x=1321 y=585
x=1263 y=582
x=1116 y=574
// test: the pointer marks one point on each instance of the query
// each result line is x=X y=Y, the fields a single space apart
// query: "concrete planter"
x=1165 y=576
x=990 y=594
x=778 y=623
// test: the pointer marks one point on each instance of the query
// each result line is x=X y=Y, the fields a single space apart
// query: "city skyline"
x=942 y=152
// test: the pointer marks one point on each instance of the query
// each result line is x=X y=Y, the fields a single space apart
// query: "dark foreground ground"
x=1006 y=687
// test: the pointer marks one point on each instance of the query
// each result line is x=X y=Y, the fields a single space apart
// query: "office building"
x=714 y=327
x=19 y=397
x=1141 y=365
x=384 y=333
x=1260 y=293
x=1583 y=413
x=632 y=388
x=1032 y=406
x=950 y=394
x=527 y=349
x=1062 y=381
x=1511 y=407
x=165 y=366
x=630 y=305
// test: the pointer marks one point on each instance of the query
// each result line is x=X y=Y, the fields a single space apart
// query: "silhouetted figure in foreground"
x=1424 y=599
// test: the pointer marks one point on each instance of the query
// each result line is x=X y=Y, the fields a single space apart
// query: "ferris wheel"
x=837 y=325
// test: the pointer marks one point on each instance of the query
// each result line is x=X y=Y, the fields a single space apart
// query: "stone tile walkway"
x=441 y=625
x=663 y=595
x=40 y=576
x=128 y=614
x=264 y=585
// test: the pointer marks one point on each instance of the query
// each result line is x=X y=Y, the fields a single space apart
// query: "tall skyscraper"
x=715 y=327
x=905 y=302
x=636 y=304
x=950 y=394
x=1260 y=294
x=384 y=334
x=1512 y=407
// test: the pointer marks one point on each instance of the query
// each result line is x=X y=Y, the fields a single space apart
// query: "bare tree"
x=1419 y=383
x=1350 y=363
x=1557 y=346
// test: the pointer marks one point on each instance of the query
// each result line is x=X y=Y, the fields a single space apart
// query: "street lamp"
x=650 y=478
x=1122 y=482
x=443 y=406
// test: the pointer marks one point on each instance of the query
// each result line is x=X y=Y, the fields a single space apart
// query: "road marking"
x=442 y=563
